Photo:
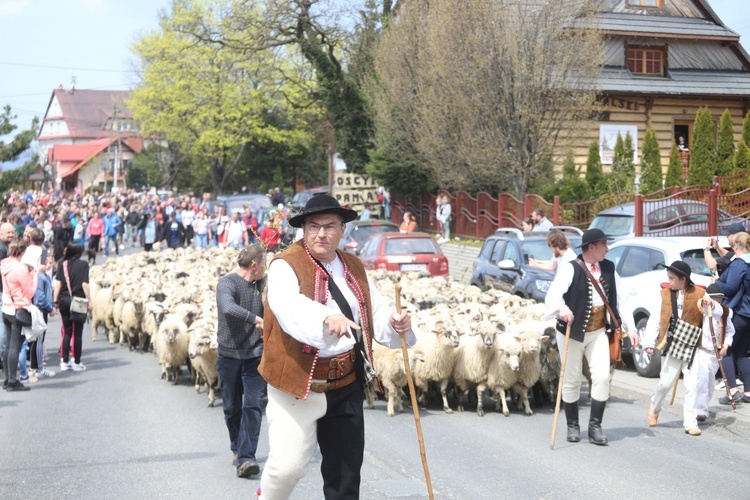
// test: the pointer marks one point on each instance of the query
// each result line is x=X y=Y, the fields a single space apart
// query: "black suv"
x=503 y=262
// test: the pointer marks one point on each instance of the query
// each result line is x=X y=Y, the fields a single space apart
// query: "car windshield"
x=363 y=233
x=409 y=246
x=694 y=258
x=255 y=204
x=613 y=225
x=536 y=249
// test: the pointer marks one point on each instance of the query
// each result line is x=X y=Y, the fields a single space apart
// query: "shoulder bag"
x=682 y=337
x=79 y=306
x=615 y=332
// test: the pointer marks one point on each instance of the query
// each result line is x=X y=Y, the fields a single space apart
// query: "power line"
x=66 y=68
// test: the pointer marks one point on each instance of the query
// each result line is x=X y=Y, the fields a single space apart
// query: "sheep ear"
x=501 y=327
x=544 y=339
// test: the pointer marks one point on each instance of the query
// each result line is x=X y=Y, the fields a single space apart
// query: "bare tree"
x=481 y=91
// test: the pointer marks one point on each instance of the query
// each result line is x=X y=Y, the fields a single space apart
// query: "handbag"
x=79 y=306
x=614 y=335
x=22 y=316
x=682 y=337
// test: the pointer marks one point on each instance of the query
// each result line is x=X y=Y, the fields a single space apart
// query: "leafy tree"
x=746 y=128
x=594 y=175
x=725 y=150
x=742 y=157
x=574 y=190
x=209 y=98
x=15 y=178
x=703 y=155
x=21 y=141
x=651 y=174
x=674 y=171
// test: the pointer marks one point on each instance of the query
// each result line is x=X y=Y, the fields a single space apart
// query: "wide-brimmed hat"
x=682 y=269
x=322 y=204
x=715 y=291
x=592 y=236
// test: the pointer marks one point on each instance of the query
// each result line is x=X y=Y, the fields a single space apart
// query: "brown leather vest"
x=287 y=364
x=690 y=312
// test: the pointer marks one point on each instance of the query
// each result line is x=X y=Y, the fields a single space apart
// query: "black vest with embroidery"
x=579 y=298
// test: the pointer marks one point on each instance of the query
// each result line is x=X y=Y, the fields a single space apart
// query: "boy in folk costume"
x=684 y=297
x=705 y=357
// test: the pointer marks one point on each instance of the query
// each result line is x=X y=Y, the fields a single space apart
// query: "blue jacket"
x=735 y=282
x=43 y=296
x=110 y=224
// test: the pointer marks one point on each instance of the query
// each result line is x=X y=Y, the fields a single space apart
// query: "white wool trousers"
x=595 y=347
x=670 y=371
x=334 y=421
x=706 y=365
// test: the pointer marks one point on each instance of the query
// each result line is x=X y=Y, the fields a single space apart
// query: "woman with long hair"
x=19 y=287
x=71 y=280
x=409 y=224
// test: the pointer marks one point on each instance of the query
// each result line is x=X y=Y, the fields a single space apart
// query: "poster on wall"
x=608 y=139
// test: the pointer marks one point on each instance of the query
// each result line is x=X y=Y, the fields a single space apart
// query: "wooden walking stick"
x=676 y=382
x=718 y=358
x=559 y=388
x=414 y=404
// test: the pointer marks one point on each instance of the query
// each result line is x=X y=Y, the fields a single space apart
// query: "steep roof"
x=69 y=158
x=673 y=27
x=715 y=83
x=87 y=111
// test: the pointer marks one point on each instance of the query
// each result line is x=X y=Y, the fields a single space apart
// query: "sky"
x=46 y=43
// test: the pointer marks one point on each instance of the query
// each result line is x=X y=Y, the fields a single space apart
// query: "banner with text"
x=354 y=190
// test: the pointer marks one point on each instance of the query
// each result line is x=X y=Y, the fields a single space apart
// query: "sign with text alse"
x=354 y=190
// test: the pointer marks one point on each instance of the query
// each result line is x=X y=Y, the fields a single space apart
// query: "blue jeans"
x=111 y=237
x=241 y=393
x=201 y=240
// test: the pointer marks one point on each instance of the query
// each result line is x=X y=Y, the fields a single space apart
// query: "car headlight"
x=542 y=285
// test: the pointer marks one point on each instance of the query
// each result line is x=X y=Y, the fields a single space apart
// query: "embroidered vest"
x=690 y=312
x=287 y=364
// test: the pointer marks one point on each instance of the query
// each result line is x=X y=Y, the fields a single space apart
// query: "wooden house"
x=663 y=60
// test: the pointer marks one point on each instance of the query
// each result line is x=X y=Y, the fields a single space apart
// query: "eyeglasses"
x=328 y=228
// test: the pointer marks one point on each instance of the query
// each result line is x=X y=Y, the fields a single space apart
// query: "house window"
x=645 y=3
x=646 y=60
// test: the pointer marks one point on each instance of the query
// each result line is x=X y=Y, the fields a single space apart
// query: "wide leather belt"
x=596 y=320
x=334 y=368
x=335 y=384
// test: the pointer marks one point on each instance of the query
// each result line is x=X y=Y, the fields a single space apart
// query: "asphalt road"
x=118 y=431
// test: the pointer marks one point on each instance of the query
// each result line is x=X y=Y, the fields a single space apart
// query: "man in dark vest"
x=321 y=315
x=574 y=300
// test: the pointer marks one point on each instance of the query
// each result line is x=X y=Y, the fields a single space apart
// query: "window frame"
x=650 y=48
x=659 y=4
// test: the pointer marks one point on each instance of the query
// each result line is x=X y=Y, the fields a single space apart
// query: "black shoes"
x=248 y=468
x=596 y=435
x=16 y=386
x=736 y=397
x=571 y=415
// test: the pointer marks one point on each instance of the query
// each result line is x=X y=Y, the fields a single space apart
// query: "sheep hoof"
x=480 y=412
x=506 y=413
x=163 y=375
x=460 y=408
x=93 y=339
x=210 y=404
x=529 y=412
x=447 y=410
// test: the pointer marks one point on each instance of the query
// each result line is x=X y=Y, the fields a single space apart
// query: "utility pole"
x=117 y=150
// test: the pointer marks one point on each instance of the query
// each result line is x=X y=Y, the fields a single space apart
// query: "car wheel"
x=647 y=365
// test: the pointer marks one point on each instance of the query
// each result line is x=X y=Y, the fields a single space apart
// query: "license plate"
x=413 y=267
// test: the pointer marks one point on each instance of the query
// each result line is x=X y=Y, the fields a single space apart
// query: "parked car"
x=259 y=204
x=661 y=218
x=359 y=231
x=302 y=197
x=640 y=263
x=503 y=262
x=404 y=252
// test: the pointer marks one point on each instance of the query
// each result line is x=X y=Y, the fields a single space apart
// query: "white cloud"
x=10 y=8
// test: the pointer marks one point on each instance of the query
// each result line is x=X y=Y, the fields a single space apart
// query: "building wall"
x=664 y=112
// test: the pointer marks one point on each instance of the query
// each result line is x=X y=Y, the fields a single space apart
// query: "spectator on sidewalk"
x=541 y=223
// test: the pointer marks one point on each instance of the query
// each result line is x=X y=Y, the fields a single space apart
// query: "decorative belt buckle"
x=333 y=374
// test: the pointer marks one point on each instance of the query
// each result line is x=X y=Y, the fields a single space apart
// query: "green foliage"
x=651 y=175
x=622 y=177
x=400 y=176
x=569 y=165
x=703 y=154
x=725 y=149
x=16 y=178
x=674 y=171
x=21 y=141
x=594 y=174
x=144 y=170
x=573 y=190
x=746 y=128
x=742 y=157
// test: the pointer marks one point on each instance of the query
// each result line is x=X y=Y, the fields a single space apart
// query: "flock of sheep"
x=469 y=340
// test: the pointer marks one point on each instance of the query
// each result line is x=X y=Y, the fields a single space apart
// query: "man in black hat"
x=574 y=300
x=690 y=302
x=321 y=315
x=725 y=256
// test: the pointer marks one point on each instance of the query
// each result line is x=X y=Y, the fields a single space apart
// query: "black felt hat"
x=682 y=269
x=322 y=204
x=592 y=236
x=714 y=290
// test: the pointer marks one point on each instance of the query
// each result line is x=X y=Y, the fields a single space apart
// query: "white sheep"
x=503 y=369
x=130 y=320
x=530 y=367
x=172 y=342
x=438 y=349
x=203 y=352
x=389 y=365
x=153 y=314
x=473 y=356
x=102 y=312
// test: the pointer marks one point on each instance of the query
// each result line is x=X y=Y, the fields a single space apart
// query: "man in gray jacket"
x=240 y=307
